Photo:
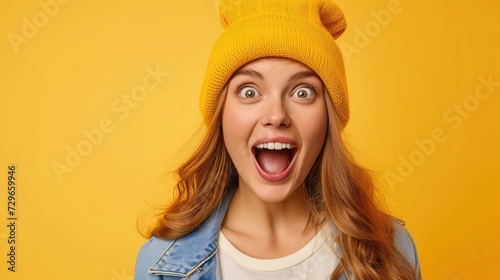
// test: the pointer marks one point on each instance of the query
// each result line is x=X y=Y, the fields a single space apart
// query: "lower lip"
x=275 y=177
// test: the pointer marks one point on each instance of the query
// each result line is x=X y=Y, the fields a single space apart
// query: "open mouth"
x=274 y=160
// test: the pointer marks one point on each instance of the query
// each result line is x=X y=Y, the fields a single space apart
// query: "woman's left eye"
x=303 y=92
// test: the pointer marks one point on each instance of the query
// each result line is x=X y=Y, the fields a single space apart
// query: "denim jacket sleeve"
x=406 y=245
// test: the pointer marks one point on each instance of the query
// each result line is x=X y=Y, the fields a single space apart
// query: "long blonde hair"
x=338 y=190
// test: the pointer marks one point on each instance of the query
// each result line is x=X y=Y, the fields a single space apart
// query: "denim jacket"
x=194 y=255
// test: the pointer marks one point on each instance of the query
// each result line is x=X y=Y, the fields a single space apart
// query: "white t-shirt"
x=316 y=260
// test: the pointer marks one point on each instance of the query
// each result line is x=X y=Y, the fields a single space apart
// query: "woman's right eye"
x=249 y=92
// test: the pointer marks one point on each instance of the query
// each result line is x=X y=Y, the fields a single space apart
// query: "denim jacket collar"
x=193 y=250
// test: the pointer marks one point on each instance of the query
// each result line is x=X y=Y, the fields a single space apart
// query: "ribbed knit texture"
x=301 y=30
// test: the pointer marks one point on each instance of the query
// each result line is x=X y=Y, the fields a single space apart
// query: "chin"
x=272 y=193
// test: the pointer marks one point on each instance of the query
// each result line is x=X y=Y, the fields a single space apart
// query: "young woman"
x=272 y=192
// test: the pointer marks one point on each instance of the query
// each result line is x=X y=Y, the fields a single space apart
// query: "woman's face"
x=274 y=123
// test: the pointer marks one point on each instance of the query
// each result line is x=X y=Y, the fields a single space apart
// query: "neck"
x=264 y=229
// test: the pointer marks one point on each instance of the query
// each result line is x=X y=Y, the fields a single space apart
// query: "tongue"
x=273 y=161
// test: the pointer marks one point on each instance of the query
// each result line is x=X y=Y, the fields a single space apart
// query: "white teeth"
x=275 y=146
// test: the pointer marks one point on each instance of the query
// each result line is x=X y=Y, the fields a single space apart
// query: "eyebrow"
x=297 y=76
x=303 y=74
x=249 y=72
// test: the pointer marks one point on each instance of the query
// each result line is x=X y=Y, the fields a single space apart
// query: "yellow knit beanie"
x=302 y=30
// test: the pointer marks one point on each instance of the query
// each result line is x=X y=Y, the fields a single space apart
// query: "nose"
x=275 y=114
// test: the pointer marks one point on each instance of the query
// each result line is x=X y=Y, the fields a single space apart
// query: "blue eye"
x=303 y=92
x=249 y=92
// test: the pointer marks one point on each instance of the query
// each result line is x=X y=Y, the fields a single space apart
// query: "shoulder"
x=149 y=255
x=404 y=242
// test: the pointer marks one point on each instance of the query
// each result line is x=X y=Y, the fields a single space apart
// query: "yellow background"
x=405 y=74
